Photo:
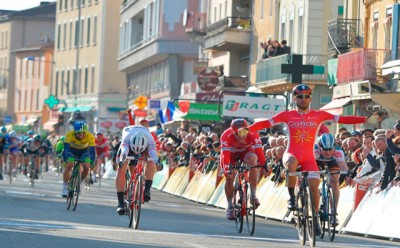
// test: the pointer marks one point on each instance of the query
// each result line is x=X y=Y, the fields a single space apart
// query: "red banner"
x=140 y=113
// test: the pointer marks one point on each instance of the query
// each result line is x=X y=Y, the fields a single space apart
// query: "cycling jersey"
x=338 y=154
x=13 y=145
x=127 y=133
x=30 y=146
x=232 y=147
x=101 y=145
x=78 y=148
x=302 y=131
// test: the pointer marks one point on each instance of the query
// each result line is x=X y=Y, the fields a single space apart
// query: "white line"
x=23 y=193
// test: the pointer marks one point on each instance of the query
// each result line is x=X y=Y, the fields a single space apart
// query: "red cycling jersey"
x=302 y=131
x=231 y=147
x=101 y=145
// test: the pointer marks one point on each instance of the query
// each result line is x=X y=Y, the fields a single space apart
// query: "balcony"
x=231 y=33
x=344 y=34
x=268 y=71
x=362 y=65
x=196 y=24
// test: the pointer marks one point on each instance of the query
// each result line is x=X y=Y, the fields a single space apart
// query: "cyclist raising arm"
x=302 y=125
x=79 y=144
x=236 y=141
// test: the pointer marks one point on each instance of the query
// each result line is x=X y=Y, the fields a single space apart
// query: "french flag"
x=171 y=113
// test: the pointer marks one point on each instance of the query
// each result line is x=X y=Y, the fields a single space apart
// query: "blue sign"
x=155 y=104
x=7 y=119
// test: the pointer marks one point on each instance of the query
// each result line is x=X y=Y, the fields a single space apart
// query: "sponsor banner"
x=207 y=96
x=203 y=112
x=252 y=107
x=154 y=104
x=208 y=79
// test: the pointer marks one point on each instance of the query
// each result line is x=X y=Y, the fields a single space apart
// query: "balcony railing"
x=361 y=65
x=231 y=23
x=269 y=70
x=344 y=34
x=137 y=45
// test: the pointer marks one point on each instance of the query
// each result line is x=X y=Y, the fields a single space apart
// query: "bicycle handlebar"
x=299 y=173
x=147 y=159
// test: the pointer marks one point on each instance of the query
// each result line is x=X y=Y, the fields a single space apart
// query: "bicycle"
x=58 y=161
x=9 y=166
x=328 y=211
x=134 y=192
x=74 y=184
x=306 y=217
x=243 y=198
x=32 y=170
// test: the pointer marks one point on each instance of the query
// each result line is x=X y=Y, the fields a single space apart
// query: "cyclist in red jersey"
x=302 y=126
x=101 y=153
x=237 y=141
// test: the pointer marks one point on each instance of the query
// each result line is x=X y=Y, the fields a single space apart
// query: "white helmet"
x=12 y=134
x=138 y=143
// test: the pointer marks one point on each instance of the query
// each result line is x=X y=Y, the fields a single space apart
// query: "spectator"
x=278 y=50
x=285 y=47
x=159 y=129
x=367 y=132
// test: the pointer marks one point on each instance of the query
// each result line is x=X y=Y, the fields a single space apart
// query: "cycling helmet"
x=99 y=134
x=138 y=143
x=62 y=138
x=80 y=126
x=302 y=89
x=238 y=123
x=144 y=122
x=326 y=141
x=37 y=137
x=30 y=132
x=12 y=134
x=3 y=129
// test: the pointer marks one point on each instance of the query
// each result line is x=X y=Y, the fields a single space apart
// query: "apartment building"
x=86 y=77
x=20 y=29
x=155 y=52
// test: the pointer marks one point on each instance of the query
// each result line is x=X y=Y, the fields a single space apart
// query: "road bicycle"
x=9 y=166
x=74 y=184
x=328 y=211
x=304 y=214
x=134 y=192
x=244 y=197
x=58 y=161
x=32 y=170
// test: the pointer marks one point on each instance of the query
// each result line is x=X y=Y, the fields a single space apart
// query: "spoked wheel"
x=70 y=196
x=129 y=201
x=300 y=218
x=77 y=189
x=331 y=212
x=250 y=210
x=31 y=175
x=323 y=218
x=237 y=206
x=136 y=205
x=311 y=218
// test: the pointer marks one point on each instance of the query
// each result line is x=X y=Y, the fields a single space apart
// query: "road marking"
x=24 y=193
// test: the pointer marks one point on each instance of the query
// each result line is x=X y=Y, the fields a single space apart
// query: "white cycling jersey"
x=337 y=155
x=127 y=133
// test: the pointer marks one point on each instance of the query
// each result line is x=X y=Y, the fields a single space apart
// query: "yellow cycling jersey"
x=79 y=144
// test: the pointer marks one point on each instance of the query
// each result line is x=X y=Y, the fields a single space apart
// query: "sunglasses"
x=303 y=96
x=326 y=149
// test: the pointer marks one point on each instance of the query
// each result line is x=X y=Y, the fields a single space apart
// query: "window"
x=65 y=36
x=299 y=35
x=62 y=83
x=76 y=33
x=88 y=32
x=262 y=10
x=60 y=6
x=94 y=29
x=86 y=80
x=66 y=5
x=282 y=31
x=71 y=34
x=93 y=79
x=37 y=99
x=57 y=81
x=81 y=32
x=58 y=36
x=67 y=84
x=79 y=81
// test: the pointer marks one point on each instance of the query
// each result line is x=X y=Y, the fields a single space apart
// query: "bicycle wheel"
x=323 y=212
x=250 y=209
x=237 y=206
x=311 y=218
x=136 y=205
x=331 y=212
x=70 y=195
x=32 y=174
x=300 y=217
x=77 y=189
x=129 y=200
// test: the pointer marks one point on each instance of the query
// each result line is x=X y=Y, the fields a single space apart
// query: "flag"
x=161 y=114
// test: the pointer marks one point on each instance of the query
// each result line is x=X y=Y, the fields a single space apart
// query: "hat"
x=365 y=130
x=355 y=133
x=209 y=146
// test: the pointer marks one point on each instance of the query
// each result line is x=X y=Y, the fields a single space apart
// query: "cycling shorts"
x=78 y=153
x=332 y=164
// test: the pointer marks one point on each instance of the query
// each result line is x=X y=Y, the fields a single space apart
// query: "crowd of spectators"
x=272 y=48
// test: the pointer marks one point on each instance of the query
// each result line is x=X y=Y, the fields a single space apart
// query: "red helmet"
x=144 y=121
x=238 y=123
x=302 y=89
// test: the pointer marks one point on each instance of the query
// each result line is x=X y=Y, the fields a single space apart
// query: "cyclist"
x=59 y=149
x=135 y=140
x=2 y=150
x=79 y=144
x=302 y=125
x=32 y=147
x=14 y=143
x=237 y=141
x=328 y=153
x=101 y=153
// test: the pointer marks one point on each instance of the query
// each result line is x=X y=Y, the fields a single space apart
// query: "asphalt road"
x=37 y=217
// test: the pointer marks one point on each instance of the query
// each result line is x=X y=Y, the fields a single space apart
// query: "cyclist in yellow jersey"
x=79 y=144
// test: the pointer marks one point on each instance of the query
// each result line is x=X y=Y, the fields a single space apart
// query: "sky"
x=20 y=4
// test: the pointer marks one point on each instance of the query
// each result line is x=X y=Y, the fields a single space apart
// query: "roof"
x=46 y=10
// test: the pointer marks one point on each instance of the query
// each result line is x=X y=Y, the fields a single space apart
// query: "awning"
x=21 y=128
x=116 y=109
x=388 y=101
x=336 y=106
x=32 y=120
x=391 y=67
x=49 y=125
x=73 y=109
